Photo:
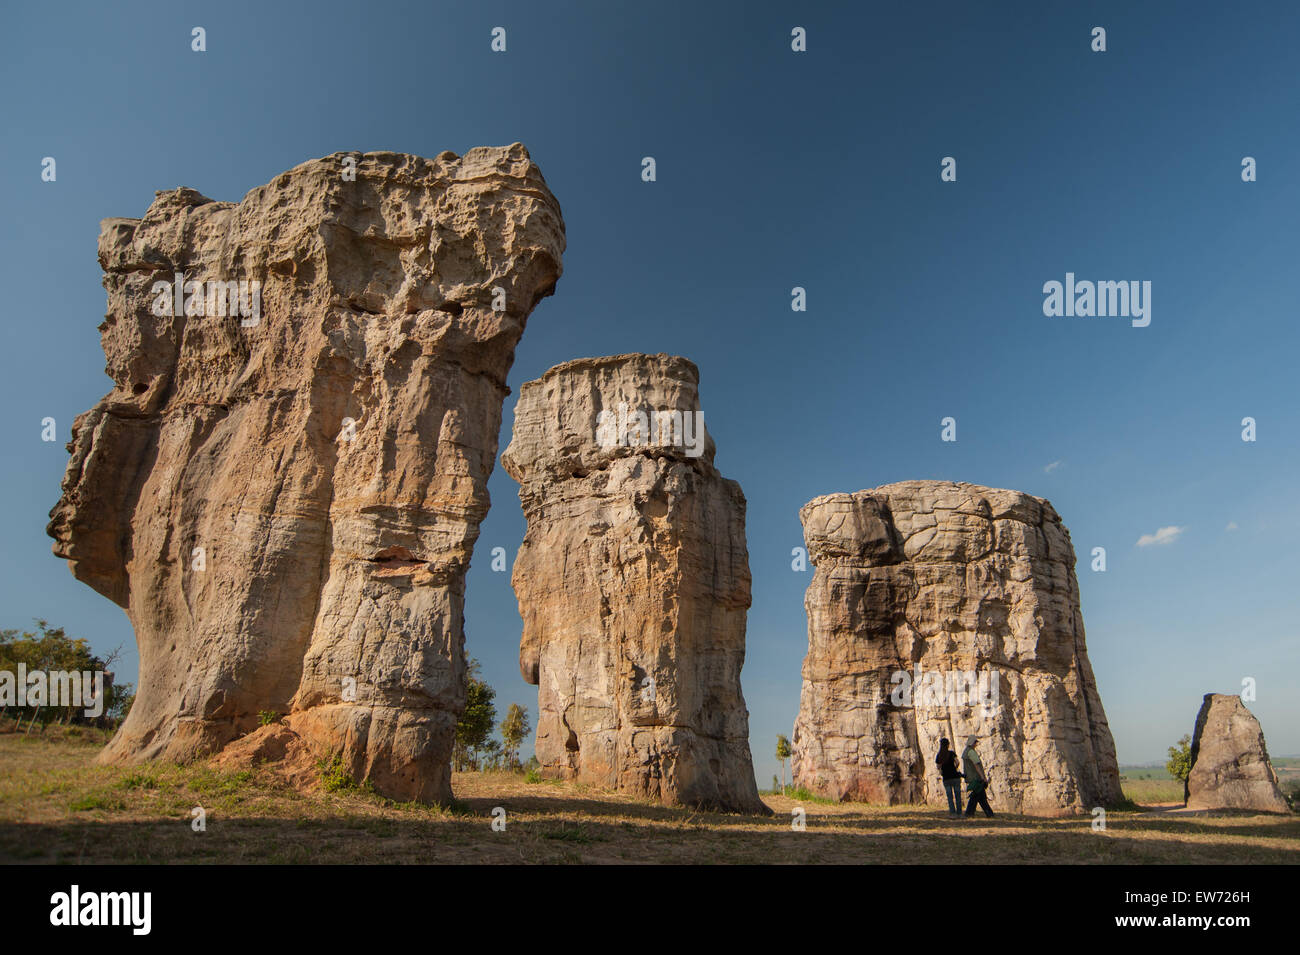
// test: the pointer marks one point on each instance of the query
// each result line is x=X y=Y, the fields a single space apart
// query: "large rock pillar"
x=633 y=583
x=948 y=610
x=284 y=494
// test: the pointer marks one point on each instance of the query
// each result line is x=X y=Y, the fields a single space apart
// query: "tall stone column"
x=633 y=583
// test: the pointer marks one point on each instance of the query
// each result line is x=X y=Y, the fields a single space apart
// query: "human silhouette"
x=977 y=781
x=947 y=763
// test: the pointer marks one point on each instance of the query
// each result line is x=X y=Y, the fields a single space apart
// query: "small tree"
x=1180 y=759
x=474 y=727
x=782 y=753
x=514 y=730
x=120 y=698
x=490 y=758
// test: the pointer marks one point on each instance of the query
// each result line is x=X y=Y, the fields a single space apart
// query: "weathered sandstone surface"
x=633 y=584
x=1230 y=764
x=286 y=503
x=950 y=584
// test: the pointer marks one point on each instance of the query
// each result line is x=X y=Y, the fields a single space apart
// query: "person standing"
x=977 y=781
x=947 y=763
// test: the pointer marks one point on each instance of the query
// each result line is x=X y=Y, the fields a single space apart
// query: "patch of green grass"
x=96 y=800
x=533 y=775
x=786 y=791
x=1144 y=772
x=801 y=794
x=1147 y=791
x=576 y=833
x=57 y=786
x=139 y=781
x=267 y=717
x=207 y=781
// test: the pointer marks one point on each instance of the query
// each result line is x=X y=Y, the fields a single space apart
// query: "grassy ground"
x=1288 y=773
x=57 y=806
x=1144 y=772
x=1148 y=791
x=1153 y=786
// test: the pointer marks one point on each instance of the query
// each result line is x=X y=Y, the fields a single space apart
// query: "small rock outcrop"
x=285 y=484
x=633 y=584
x=1230 y=765
x=947 y=610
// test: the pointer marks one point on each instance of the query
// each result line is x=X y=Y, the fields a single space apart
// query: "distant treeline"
x=50 y=649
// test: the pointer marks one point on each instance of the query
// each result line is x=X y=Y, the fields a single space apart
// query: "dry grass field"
x=56 y=805
x=1161 y=793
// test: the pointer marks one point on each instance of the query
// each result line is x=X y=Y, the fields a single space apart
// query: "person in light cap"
x=977 y=782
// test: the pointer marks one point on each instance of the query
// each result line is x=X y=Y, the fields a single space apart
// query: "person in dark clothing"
x=977 y=782
x=947 y=763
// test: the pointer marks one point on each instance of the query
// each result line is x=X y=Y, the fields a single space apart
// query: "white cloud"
x=1232 y=526
x=1052 y=467
x=1165 y=535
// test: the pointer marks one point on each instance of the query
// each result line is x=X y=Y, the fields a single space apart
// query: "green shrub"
x=1180 y=759
x=334 y=776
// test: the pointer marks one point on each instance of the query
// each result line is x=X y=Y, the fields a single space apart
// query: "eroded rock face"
x=967 y=584
x=633 y=583
x=285 y=501
x=1230 y=764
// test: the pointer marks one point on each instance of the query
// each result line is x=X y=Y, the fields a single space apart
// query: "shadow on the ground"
x=565 y=828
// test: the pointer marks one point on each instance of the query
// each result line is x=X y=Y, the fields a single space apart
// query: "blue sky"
x=775 y=169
